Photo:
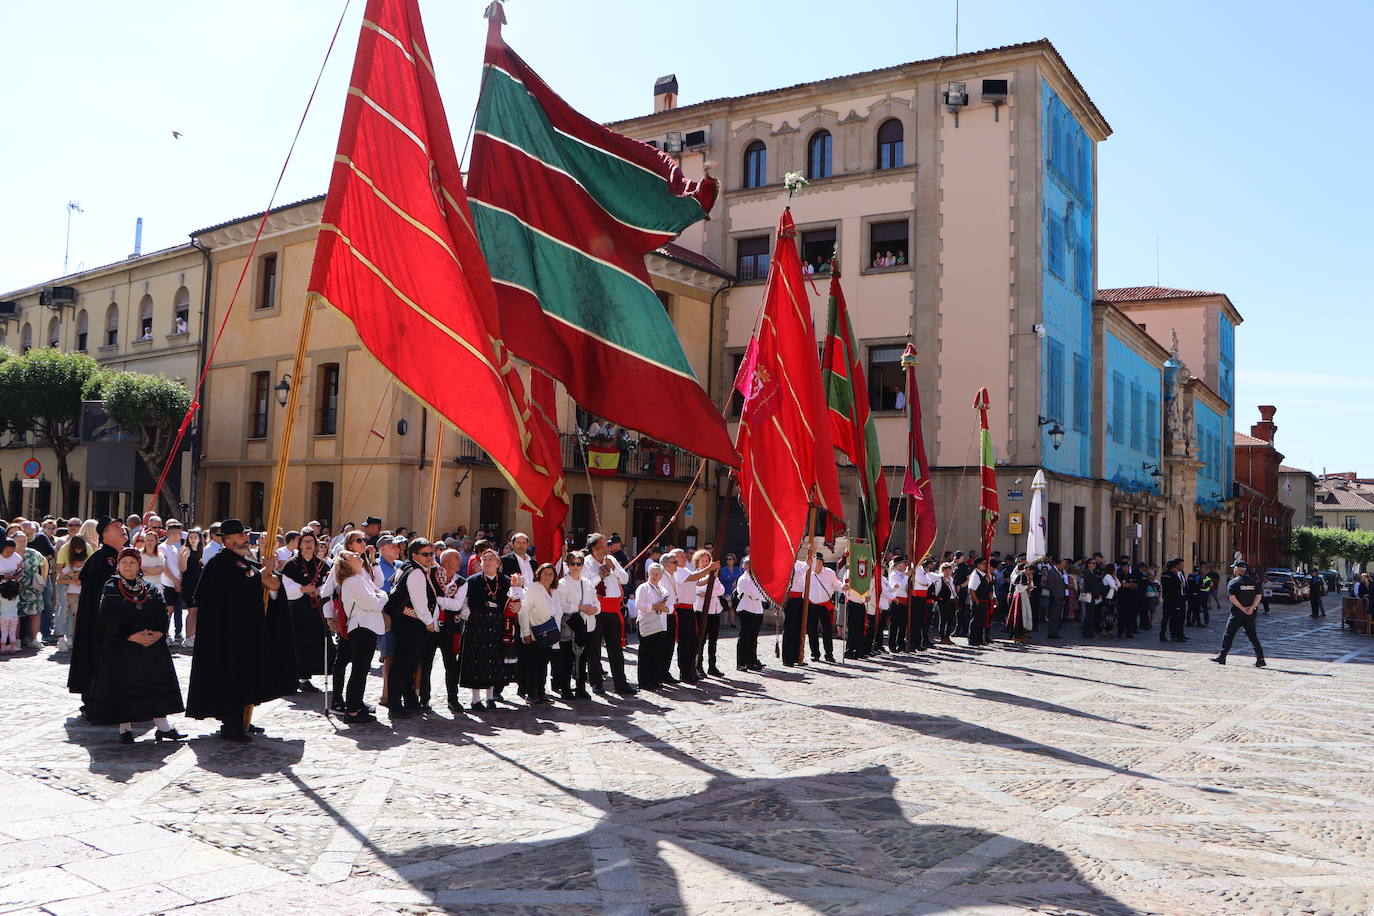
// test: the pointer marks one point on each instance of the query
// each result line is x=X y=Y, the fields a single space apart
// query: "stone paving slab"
x=1110 y=778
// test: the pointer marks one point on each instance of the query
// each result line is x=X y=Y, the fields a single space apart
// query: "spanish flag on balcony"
x=566 y=212
x=603 y=460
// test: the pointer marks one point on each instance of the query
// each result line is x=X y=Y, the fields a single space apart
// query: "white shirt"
x=152 y=564
x=684 y=592
x=537 y=606
x=646 y=596
x=615 y=577
x=884 y=596
x=751 y=597
x=899 y=581
x=171 y=558
x=284 y=555
x=975 y=579
x=363 y=602
x=923 y=579
x=824 y=583
x=522 y=562
x=418 y=593
x=211 y=549
x=715 y=606
x=573 y=593
x=1109 y=582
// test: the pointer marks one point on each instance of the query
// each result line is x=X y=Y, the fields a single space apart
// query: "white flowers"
x=794 y=182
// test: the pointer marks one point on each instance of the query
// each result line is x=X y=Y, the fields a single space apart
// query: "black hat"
x=231 y=526
x=7 y=542
x=102 y=524
x=372 y=520
x=1240 y=564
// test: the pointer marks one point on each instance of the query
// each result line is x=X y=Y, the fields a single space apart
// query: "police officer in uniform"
x=1245 y=597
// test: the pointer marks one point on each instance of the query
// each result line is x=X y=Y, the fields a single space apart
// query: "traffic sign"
x=1016 y=494
x=33 y=467
x=29 y=483
x=1016 y=523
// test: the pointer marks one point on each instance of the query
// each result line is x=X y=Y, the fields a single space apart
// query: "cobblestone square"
x=1102 y=777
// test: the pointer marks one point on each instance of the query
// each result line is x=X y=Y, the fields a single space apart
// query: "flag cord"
x=958 y=492
x=248 y=261
x=350 y=491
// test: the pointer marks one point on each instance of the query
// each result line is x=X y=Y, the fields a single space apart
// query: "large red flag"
x=787 y=456
x=987 y=472
x=550 y=535
x=916 y=484
x=397 y=253
x=566 y=211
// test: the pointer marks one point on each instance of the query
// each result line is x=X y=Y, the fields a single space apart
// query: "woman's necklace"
x=138 y=596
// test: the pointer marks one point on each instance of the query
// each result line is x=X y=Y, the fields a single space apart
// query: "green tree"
x=43 y=391
x=150 y=408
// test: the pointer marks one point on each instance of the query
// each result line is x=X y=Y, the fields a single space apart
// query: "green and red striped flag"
x=851 y=424
x=988 y=504
x=566 y=212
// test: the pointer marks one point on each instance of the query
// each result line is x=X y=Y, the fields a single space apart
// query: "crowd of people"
x=263 y=620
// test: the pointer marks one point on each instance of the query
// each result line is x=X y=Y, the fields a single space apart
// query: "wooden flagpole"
x=806 y=580
x=434 y=483
x=293 y=400
x=723 y=517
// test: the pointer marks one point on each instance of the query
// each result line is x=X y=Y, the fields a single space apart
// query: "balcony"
x=646 y=460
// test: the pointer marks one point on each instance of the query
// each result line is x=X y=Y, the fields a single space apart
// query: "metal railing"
x=646 y=459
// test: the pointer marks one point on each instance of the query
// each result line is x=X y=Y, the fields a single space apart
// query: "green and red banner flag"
x=398 y=256
x=988 y=500
x=916 y=482
x=861 y=567
x=787 y=456
x=566 y=211
x=547 y=525
x=851 y=423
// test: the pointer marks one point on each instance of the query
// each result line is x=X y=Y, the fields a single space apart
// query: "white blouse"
x=363 y=602
x=537 y=606
x=650 y=620
x=751 y=597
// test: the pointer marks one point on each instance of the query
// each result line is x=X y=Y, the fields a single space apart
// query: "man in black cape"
x=243 y=656
x=88 y=635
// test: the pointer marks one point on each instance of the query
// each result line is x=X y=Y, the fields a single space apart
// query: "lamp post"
x=1056 y=432
x=283 y=389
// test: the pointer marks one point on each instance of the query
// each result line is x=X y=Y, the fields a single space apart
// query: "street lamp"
x=1056 y=432
x=283 y=389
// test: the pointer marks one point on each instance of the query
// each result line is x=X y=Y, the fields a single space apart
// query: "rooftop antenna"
x=1156 y=259
x=73 y=206
x=956 y=26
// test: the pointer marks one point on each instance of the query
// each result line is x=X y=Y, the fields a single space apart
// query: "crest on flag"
x=861 y=567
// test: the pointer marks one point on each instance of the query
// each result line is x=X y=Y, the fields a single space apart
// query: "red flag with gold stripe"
x=397 y=254
x=787 y=455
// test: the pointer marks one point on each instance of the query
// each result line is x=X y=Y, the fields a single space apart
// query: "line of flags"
x=541 y=257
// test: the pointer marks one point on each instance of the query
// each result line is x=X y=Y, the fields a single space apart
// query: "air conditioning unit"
x=994 y=92
x=654 y=143
x=956 y=96
x=694 y=139
x=57 y=296
x=9 y=309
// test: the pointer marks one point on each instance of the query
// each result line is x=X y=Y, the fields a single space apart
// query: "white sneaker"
x=62 y=644
x=188 y=643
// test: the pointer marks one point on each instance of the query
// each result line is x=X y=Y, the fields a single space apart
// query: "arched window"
x=818 y=155
x=145 y=318
x=83 y=324
x=112 y=325
x=54 y=332
x=890 y=135
x=755 y=165
x=26 y=339
x=181 y=311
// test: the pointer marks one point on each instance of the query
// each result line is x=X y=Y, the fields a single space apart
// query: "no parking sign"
x=33 y=467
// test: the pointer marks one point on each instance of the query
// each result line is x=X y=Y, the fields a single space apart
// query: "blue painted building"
x=1067 y=281
x=1132 y=444
x=1214 y=449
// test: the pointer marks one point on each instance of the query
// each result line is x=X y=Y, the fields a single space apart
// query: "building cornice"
x=290 y=218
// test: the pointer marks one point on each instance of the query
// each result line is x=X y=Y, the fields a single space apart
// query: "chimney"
x=1265 y=428
x=665 y=93
x=138 y=238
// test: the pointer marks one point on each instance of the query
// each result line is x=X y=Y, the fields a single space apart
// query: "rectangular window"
x=1054 y=245
x=322 y=500
x=1118 y=412
x=259 y=392
x=1137 y=416
x=752 y=258
x=328 y=400
x=1351 y=523
x=1152 y=425
x=886 y=381
x=267 y=281
x=1054 y=380
x=257 y=501
x=817 y=248
x=887 y=244
x=736 y=399
x=1082 y=394
x=1080 y=531
x=1083 y=269
x=221 y=501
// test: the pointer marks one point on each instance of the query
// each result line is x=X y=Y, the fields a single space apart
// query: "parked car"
x=1334 y=586
x=1285 y=585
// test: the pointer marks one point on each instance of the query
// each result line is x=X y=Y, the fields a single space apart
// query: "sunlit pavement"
x=1101 y=777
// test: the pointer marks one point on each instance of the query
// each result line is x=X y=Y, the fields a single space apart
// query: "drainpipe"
x=198 y=437
x=721 y=507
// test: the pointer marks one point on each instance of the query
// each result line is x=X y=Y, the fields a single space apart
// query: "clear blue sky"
x=1241 y=140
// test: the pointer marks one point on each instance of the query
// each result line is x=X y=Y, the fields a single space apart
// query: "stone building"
x=1263 y=521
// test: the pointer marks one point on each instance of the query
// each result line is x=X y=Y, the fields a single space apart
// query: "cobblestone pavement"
x=1106 y=777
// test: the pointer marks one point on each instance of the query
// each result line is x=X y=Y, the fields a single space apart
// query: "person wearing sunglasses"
x=576 y=594
x=411 y=609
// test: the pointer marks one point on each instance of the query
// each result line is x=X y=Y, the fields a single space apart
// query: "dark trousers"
x=689 y=627
x=1054 y=615
x=712 y=636
x=747 y=646
x=1171 y=621
x=855 y=629
x=877 y=627
x=533 y=670
x=978 y=623
x=920 y=624
x=343 y=657
x=408 y=639
x=651 y=649
x=1316 y=605
x=820 y=626
x=791 y=631
x=359 y=648
x=1244 y=622
x=899 y=618
x=948 y=617
x=589 y=660
x=666 y=649
x=1127 y=615
x=1088 y=609
x=562 y=665
x=611 y=626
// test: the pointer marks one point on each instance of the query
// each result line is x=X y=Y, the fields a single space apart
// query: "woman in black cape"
x=490 y=656
x=136 y=680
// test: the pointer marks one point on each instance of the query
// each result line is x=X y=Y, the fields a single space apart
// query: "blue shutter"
x=1082 y=396
x=1137 y=417
x=1118 y=407
x=1054 y=381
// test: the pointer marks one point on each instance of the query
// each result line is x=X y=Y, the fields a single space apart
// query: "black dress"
x=96 y=571
x=243 y=656
x=310 y=635
x=134 y=683
x=490 y=657
x=190 y=576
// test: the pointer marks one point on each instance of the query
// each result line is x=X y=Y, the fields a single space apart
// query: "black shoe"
x=1261 y=664
x=757 y=666
x=256 y=730
x=426 y=709
x=581 y=695
x=627 y=690
x=455 y=706
x=338 y=706
x=715 y=672
x=307 y=687
x=670 y=680
x=126 y=737
x=1219 y=659
x=170 y=734
x=1181 y=639
x=830 y=659
x=402 y=712
x=599 y=690
x=235 y=735
x=361 y=717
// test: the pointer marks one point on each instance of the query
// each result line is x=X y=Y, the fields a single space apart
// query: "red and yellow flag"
x=916 y=483
x=398 y=256
x=787 y=455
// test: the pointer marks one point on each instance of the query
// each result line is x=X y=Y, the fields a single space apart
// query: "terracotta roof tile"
x=1148 y=294
x=675 y=252
x=1246 y=439
x=1285 y=469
